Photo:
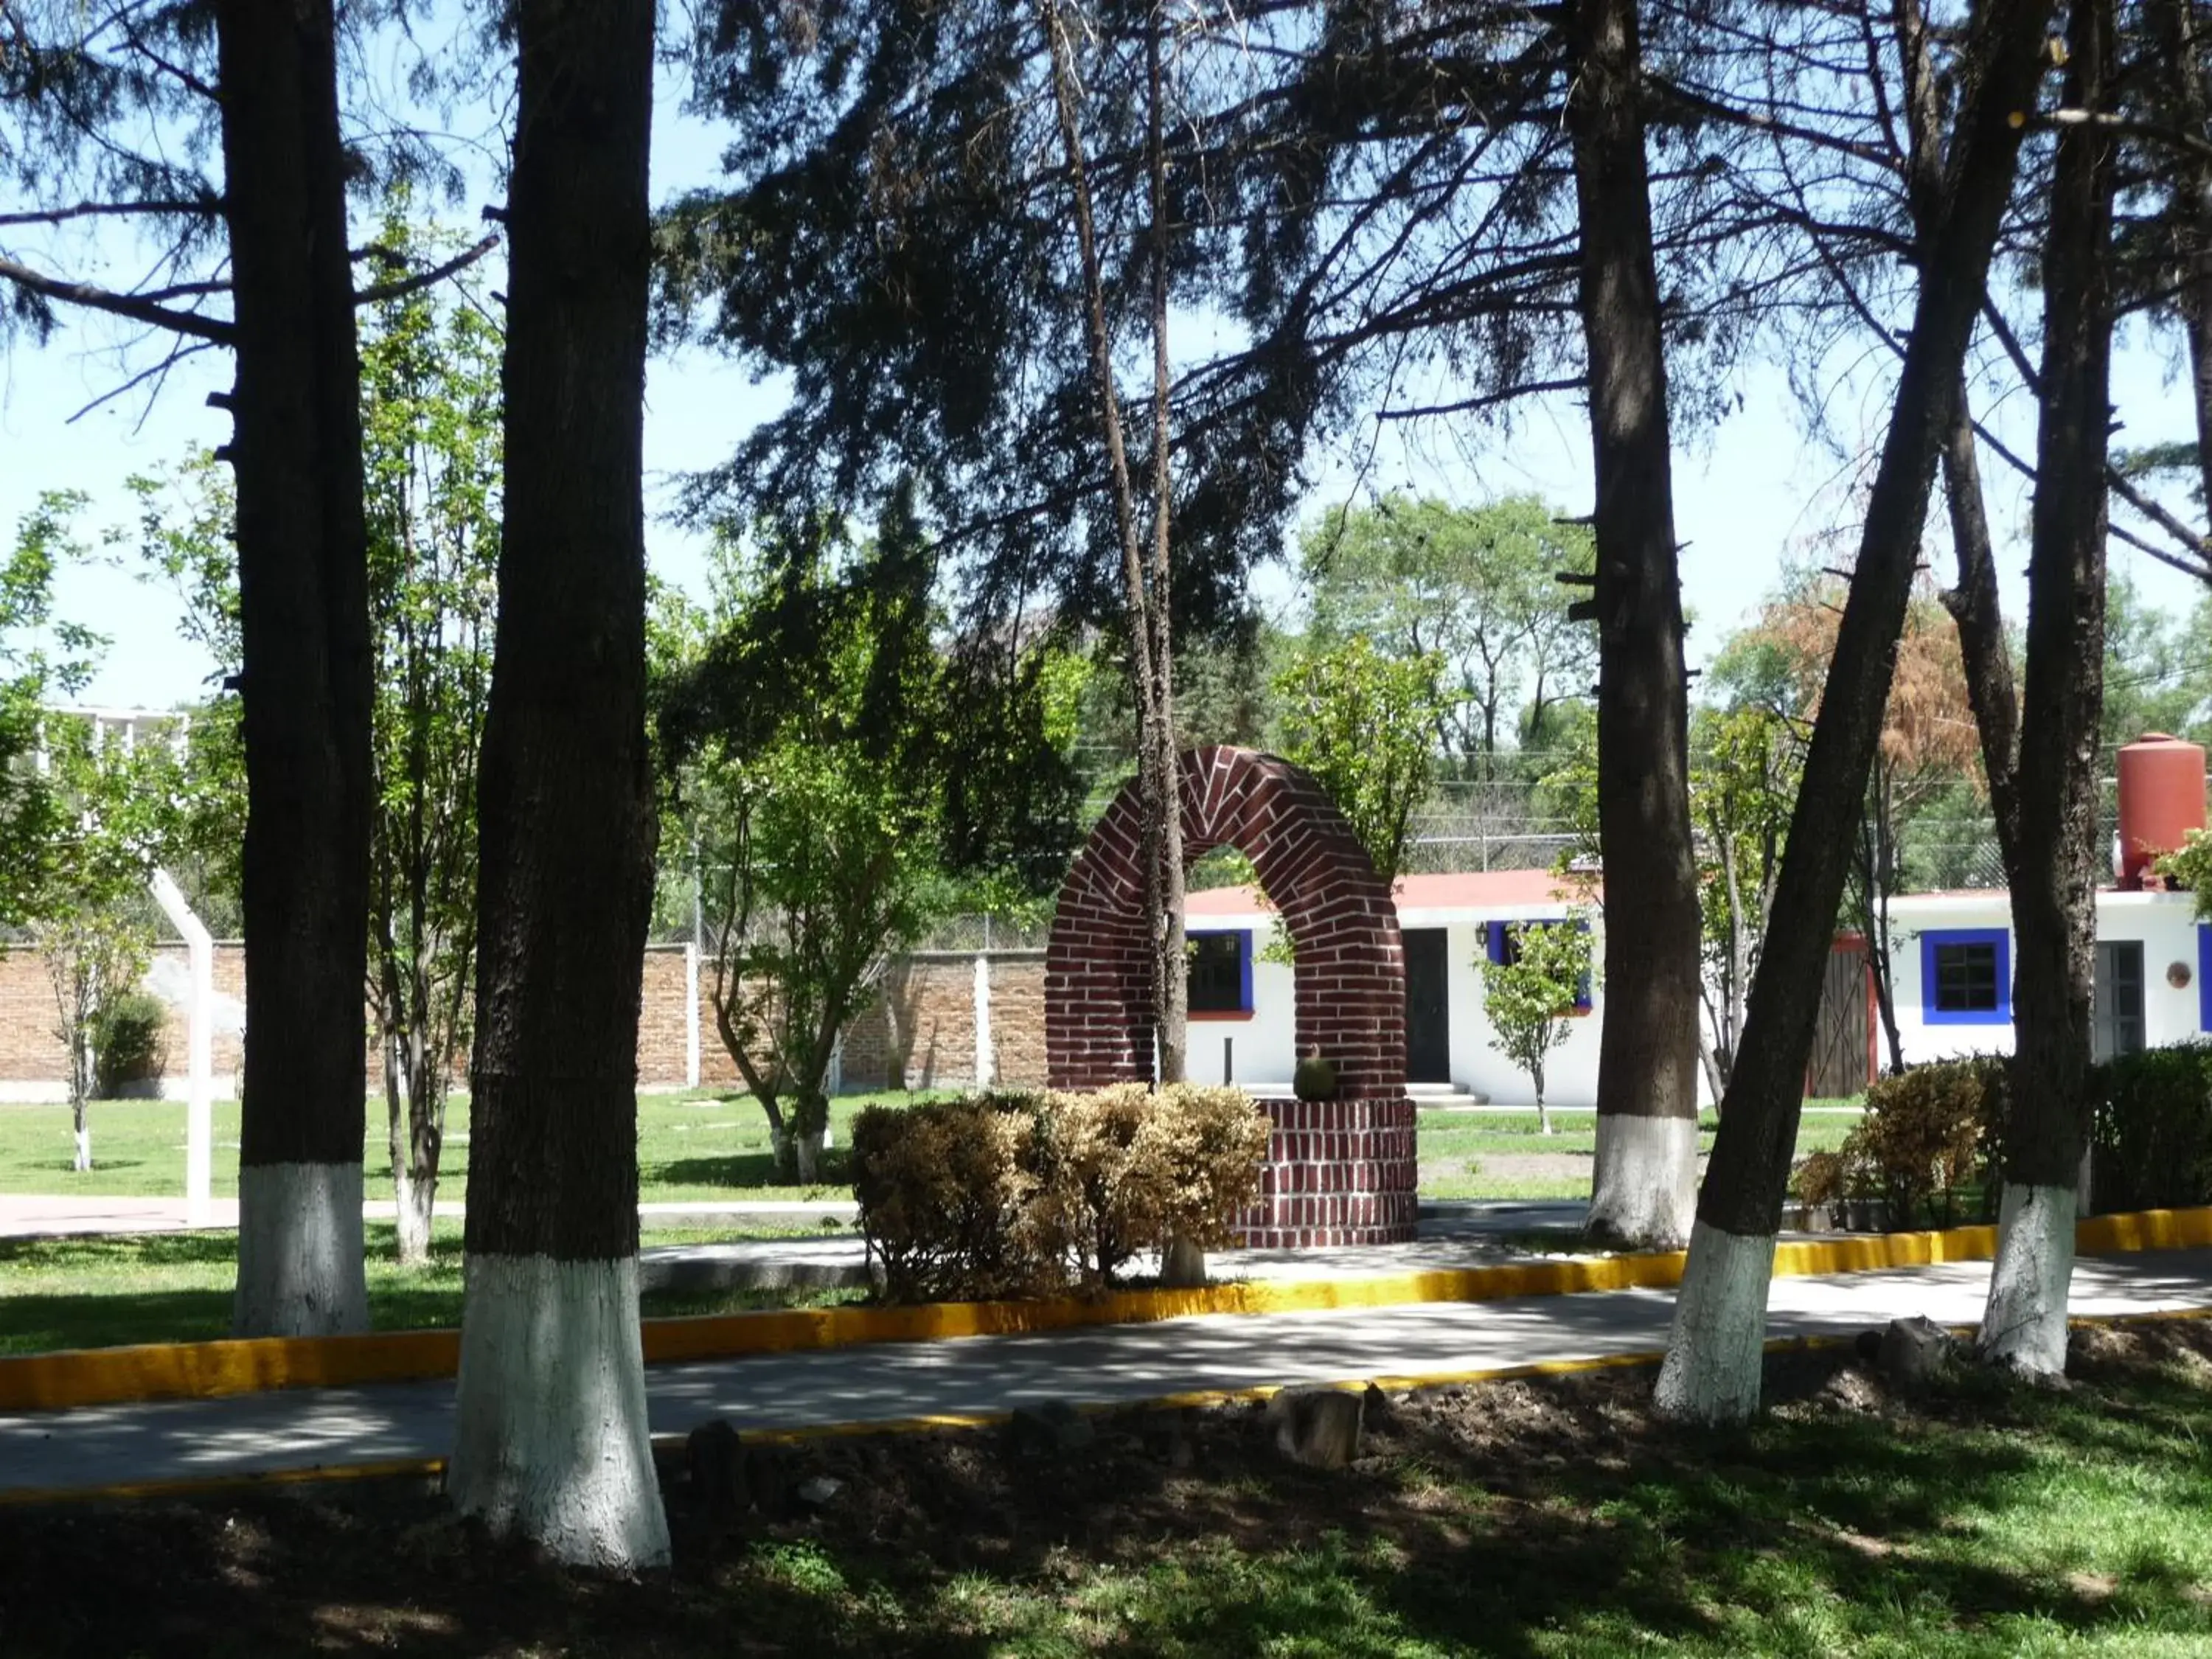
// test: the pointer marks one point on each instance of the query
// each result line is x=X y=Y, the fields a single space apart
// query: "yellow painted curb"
x=206 y=1370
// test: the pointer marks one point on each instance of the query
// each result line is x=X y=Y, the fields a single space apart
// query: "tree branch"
x=400 y=287
x=119 y=305
x=210 y=204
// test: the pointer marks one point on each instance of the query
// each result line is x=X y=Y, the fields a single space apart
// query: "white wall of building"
x=2165 y=923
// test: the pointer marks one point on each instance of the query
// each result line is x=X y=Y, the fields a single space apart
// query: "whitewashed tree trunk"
x=84 y=1140
x=1645 y=1190
x=417 y=1201
x=300 y=1253
x=807 y=1156
x=2024 y=1324
x=550 y=1442
x=1716 y=1352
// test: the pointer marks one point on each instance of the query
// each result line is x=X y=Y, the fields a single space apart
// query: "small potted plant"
x=1314 y=1079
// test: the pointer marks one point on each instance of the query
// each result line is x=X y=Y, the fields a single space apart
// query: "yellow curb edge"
x=208 y=1370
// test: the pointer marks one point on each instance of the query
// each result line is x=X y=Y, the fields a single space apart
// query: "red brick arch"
x=1339 y=1172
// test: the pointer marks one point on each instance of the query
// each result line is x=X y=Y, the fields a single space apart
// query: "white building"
x=1242 y=1021
x=1951 y=966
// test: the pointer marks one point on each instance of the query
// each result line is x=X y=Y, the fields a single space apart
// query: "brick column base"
x=1338 y=1172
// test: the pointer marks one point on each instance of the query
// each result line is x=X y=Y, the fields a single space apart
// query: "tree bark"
x=302 y=553
x=551 y=1440
x=1983 y=653
x=2054 y=890
x=1711 y=1372
x=1144 y=576
x=2174 y=27
x=1646 y=1169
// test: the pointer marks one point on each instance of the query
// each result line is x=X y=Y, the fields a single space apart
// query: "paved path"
x=258 y=1433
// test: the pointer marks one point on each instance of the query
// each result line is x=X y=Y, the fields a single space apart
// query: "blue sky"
x=1751 y=494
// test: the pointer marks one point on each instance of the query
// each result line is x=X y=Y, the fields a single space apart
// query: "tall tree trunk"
x=1645 y=1178
x=1143 y=576
x=303 y=610
x=1171 y=972
x=550 y=1439
x=426 y=1061
x=1712 y=1368
x=2054 y=891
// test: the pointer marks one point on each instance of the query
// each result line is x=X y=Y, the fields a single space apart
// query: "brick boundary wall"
x=1342 y=1171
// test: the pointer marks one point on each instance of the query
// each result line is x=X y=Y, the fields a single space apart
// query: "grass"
x=694 y=1146
x=91 y=1293
x=702 y=1147
x=1469 y=1155
x=1545 y=1521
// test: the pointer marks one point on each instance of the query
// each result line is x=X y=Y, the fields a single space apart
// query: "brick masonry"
x=1342 y=1171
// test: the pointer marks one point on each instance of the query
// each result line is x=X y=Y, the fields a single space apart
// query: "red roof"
x=1464 y=890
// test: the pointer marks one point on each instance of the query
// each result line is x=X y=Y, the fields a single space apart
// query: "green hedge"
x=2152 y=1133
x=130 y=1044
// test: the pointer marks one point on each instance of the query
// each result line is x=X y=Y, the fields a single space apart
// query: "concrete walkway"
x=250 y=1434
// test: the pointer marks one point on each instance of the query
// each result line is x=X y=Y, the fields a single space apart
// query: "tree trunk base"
x=83 y=1150
x=1182 y=1265
x=1644 y=1191
x=806 y=1158
x=2024 y=1325
x=549 y=1440
x=301 y=1271
x=416 y=1202
x=1715 y=1353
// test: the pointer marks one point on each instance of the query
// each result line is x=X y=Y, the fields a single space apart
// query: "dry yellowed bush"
x=1011 y=1196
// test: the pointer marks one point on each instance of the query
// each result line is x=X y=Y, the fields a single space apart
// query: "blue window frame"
x=2204 y=976
x=1221 y=972
x=1498 y=947
x=1965 y=976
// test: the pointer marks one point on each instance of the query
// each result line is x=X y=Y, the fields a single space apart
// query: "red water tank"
x=2161 y=800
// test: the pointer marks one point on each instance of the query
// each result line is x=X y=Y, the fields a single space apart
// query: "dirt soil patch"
x=1474 y=1517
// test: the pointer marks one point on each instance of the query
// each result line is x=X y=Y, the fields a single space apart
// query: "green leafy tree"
x=431 y=445
x=42 y=658
x=116 y=812
x=1530 y=997
x=1475 y=586
x=1364 y=724
x=431 y=448
x=1744 y=767
x=846 y=782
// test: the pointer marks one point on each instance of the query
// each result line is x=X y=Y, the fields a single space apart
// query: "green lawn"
x=702 y=1147
x=175 y=1287
x=691 y=1146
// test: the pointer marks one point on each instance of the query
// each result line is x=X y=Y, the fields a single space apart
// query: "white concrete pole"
x=691 y=1014
x=199 y=1100
x=986 y=1062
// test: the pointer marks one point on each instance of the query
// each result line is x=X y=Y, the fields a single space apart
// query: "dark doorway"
x=1428 y=1006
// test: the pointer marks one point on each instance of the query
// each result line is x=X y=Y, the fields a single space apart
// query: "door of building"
x=1843 y=1036
x=2118 y=1025
x=1428 y=1006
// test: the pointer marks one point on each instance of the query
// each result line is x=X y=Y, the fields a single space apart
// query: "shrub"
x=129 y=1042
x=1926 y=1148
x=1022 y=1195
x=945 y=1193
x=2151 y=1134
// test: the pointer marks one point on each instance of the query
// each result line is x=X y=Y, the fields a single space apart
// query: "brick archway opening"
x=1339 y=1171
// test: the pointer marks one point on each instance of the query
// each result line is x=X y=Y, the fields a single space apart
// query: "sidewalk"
x=250 y=1434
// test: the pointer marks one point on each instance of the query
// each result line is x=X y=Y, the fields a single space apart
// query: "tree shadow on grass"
x=741 y=1170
